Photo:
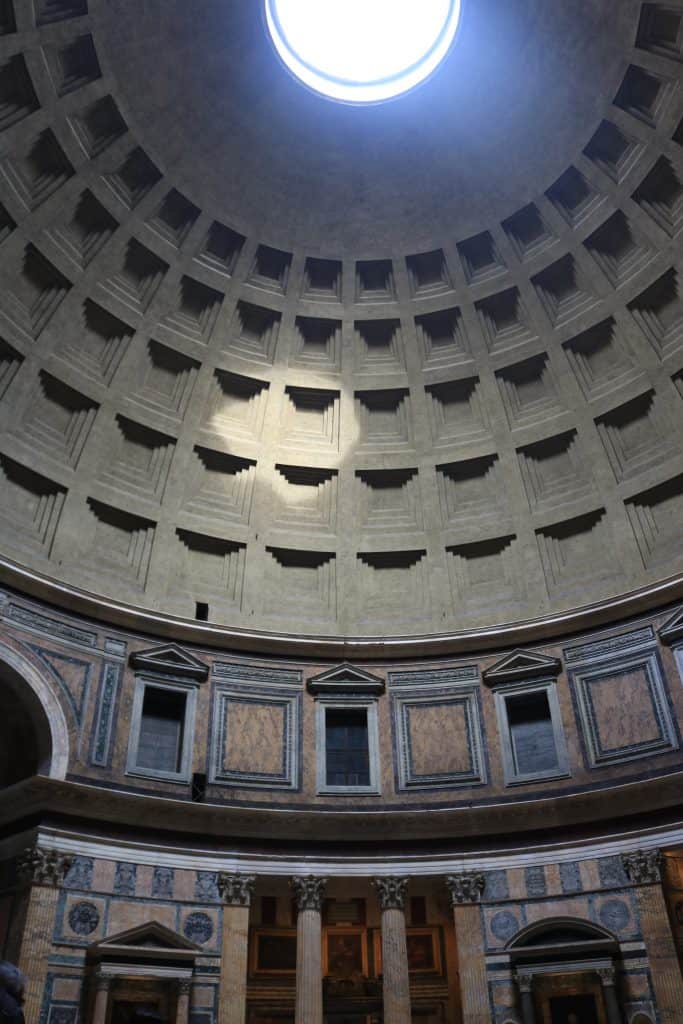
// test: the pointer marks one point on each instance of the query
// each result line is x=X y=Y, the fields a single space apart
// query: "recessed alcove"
x=613 y=151
x=480 y=258
x=643 y=94
x=174 y=218
x=73 y=64
x=17 y=96
x=98 y=125
x=660 y=195
x=222 y=248
x=195 y=310
x=35 y=289
x=133 y=179
x=37 y=168
x=504 y=320
x=443 y=337
x=139 y=275
x=322 y=280
x=527 y=231
x=87 y=227
x=375 y=281
x=573 y=197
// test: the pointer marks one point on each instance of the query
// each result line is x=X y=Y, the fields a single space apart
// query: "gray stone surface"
x=165 y=441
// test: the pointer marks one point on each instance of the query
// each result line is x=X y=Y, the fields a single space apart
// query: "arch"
x=40 y=707
x=560 y=931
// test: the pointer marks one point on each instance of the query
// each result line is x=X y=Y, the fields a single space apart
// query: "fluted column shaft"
x=525 y=984
x=182 y=1013
x=41 y=872
x=643 y=868
x=308 y=891
x=236 y=892
x=102 y=986
x=391 y=893
x=608 y=979
x=465 y=891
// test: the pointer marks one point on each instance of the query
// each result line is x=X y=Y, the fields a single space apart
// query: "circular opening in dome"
x=362 y=51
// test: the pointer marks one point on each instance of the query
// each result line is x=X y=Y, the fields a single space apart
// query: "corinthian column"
x=525 y=981
x=643 y=868
x=391 y=893
x=308 y=892
x=182 y=1013
x=102 y=986
x=236 y=892
x=608 y=979
x=41 y=873
x=465 y=891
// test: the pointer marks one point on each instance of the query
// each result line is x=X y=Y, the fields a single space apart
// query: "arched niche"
x=34 y=737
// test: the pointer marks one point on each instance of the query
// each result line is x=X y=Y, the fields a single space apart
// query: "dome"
x=341 y=511
x=254 y=339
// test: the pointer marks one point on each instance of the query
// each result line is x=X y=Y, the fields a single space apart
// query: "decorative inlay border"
x=460 y=695
x=596 y=754
x=110 y=676
x=623 y=644
x=290 y=703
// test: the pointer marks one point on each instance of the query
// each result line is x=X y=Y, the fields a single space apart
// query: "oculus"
x=362 y=52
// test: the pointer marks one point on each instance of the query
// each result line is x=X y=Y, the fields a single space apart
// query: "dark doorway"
x=574 y=1010
x=125 y=1012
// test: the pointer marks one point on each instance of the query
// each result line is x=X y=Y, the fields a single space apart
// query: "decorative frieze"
x=643 y=867
x=39 y=866
x=309 y=891
x=466 y=887
x=236 y=890
x=391 y=892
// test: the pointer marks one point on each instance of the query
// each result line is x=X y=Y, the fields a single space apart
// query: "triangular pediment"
x=170 y=659
x=522 y=665
x=672 y=630
x=346 y=679
x=145 y=937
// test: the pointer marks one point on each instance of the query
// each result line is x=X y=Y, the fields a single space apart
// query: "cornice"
x=516 y=634
x=41 y=797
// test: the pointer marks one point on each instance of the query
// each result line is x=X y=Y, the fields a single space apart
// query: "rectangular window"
x=346 y=746
x=531 y=732
x=160 y=744
x=162 y=731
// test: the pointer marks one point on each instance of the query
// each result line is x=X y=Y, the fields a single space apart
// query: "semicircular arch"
x=560 y=929
x=40 y=707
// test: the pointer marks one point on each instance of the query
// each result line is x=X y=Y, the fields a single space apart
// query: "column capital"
x=525 y=980
x=236 y=890
x=37 y=865
x=309 y=891
x=643 y=867
x=184 y=986
x=607 y=976
x=465 y=887
x=391 y=892
x=102 y=981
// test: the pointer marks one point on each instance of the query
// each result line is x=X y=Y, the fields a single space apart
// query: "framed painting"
x=424 y=950
x=344 y=952
x=273 y=951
